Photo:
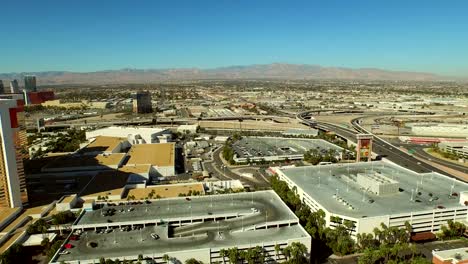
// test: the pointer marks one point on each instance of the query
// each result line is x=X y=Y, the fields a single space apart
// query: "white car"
x=154 y=236
x=64 y=252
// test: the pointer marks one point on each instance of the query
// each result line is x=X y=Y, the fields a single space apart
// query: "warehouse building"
x=197 y=227
x=439 y=130
x=369 y=193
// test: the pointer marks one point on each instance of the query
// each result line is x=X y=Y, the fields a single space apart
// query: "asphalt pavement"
x=388 y=151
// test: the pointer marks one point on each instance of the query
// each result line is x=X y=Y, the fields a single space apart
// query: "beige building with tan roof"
x=105 y=144
x=160 y=156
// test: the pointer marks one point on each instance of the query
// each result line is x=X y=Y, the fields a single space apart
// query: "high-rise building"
x=14 y=87
x=12 y=180
x=30 y=83
x=2 y=88
x=142 y=102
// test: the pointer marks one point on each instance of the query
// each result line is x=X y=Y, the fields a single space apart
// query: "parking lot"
x=271 y=148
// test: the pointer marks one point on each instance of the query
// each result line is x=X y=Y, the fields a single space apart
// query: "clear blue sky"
x=95 y=35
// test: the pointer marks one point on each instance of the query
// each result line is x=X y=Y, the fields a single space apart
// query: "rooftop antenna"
x=451 y=189
x=115 y=240
x=412 y=194
x=319 y=181
x=242 y=218
x=266 y=219
x=422 y=178
x=251 y=195
x=417 y=186
x=211 y=198
x=347 y=185
x=363 y=194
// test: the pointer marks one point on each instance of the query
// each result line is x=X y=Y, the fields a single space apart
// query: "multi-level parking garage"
x=196 y=227
x=369 y=193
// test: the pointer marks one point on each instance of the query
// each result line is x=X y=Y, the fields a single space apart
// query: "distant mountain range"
x=263 y=71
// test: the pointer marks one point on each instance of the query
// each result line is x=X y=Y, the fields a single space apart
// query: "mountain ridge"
x=255 y=71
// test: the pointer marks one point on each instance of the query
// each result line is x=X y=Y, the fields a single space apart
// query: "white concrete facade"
x=135 y=135
x=421 y=221
x=9 y=154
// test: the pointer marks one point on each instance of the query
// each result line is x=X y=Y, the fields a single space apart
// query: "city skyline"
x=417 y=36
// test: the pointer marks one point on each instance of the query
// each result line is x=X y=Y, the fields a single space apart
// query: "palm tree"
x=277 y=250
x=234 y=255
x=166 y=258
x=286 y=252
x=223 y=254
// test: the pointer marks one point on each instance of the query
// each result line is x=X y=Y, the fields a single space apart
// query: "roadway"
x=380 y=146
x=419 y=152
x=386 y=150
x=217 y=168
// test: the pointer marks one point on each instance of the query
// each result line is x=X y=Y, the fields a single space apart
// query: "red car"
x=68 y=245
x=74 y=238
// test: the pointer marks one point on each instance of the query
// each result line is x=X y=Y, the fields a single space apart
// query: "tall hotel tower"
x=13 y=191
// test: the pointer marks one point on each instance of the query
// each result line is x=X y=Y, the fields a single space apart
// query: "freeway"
x=387 y=150
x=380 y=146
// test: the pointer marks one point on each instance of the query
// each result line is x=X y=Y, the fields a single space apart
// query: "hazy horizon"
x=89 y=36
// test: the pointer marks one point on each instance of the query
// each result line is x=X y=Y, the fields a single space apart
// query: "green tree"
x=165 y=258
x=193 y=261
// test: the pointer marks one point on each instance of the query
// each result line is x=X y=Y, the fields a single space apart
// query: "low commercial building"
x=458 y=148
x=440 y=130
x=369 y=193
x=197 y=227
x=134 y=135
x=167 y=190
x=81 y=104
x=66 y=203
x=311 y=132
x=160 y=156
x=190 y=128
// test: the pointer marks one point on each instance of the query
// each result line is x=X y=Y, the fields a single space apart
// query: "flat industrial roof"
x=145 y=168
x=167 y=190
x=161 y=154
x=103 y=144
x=324 y=183
x=223 y=233
x=86 y=161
